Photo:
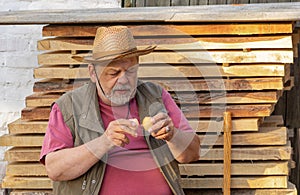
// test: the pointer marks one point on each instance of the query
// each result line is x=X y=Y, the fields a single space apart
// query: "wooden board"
x=213 y=125
x=21 y=140
x=25 y=127
x=176 y=29
x=243 y=168
x=46 y=99
x=252 y=182
x=245 y=84
x=222 y=13
x=202 y=169
x=169 y=71
x=26 y=182
x=265 y=136
x=26 y=169
x=190 y=111
x=21 y=154
x=201 y=126
x=230 y=56
x=178 y=43
x=291 y=190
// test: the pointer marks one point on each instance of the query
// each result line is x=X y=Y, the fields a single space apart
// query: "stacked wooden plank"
x=208 y=68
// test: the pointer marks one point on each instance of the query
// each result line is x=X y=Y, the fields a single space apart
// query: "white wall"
x=18 y=55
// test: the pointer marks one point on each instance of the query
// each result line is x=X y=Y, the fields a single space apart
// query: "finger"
x=159 y=116
x=162 y=131
x=127 y=126
x=159 y=125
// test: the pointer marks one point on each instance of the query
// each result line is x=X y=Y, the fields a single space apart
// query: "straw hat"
x=112 y=43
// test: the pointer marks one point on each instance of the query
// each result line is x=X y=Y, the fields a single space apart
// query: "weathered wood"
x=265 y=136
x=31 y=192
x=228 y=98
x=222 y=13
x=170 y=71
x=24 y=127
x=247 y=182
x=60 y=85
x=227 y=140
x=237 y=168
x=175 y=30
x=45 y=100
x=57 y=85
x=178 y=43
x=221 y=84
x=291 y=190
x=259 y=110
x=26 y=169
x=41 y=100
x=183 y=57
x=35 y=113
x=26 y=182
x=215 y=125
x=21 y=140
x=253 y=153
x=23 y=154
x=201 y=169
x=190 y=111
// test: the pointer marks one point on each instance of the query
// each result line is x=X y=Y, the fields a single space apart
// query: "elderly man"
x=95 y=143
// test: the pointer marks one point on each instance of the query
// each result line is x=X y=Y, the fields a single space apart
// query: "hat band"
x=112 y=53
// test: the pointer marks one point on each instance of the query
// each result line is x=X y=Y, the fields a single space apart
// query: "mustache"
x=121 y=87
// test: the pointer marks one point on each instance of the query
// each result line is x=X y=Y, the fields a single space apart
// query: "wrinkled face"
x=118 y=80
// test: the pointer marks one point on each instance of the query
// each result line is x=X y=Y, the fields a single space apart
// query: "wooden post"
x=227 y=127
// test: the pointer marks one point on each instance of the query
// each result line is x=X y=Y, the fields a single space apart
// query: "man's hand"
x=118 y=130
x=161 y=126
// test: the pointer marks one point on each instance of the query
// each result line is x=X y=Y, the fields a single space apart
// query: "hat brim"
x=138 y=52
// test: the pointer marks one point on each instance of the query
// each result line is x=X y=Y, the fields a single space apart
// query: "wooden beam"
x=178 y=43
x=26 y=169
x=244 y=84
x=215 y=125
x=190 y=111
x=21 y=140
x=46 y=99
x=26 y=182
x=228 y=98
x=227 y=142
x=194 y=57
x=246 y=182
x=24 y=127
x=237 y=168
x=170 y=71
x=29 y=154
x=23 y=154
x=252 y=153
x=222 y=13
x=258 y=110
x=291 y=190
x=264 y=137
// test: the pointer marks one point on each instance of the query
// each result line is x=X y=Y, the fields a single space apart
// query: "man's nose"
x=123 y=79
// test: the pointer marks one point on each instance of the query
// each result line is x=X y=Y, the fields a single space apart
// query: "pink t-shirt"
x=130 y=169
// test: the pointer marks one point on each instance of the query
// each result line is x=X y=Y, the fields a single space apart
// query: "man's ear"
x=91 y=69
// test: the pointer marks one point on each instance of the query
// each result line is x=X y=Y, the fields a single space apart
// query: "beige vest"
x=80 y=109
